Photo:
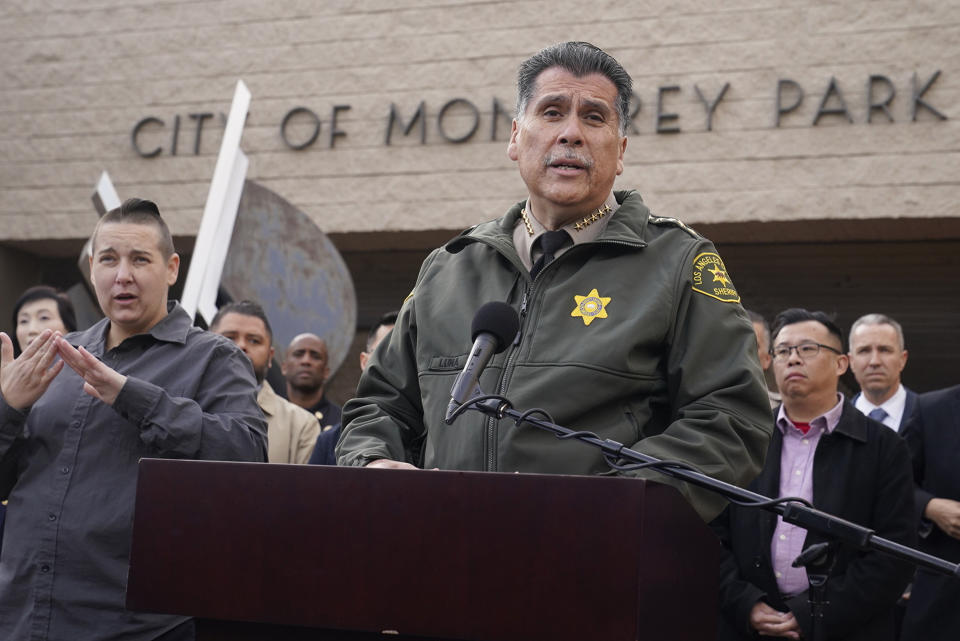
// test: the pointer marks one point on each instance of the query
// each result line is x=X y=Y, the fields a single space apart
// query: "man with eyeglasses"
x=843 y=462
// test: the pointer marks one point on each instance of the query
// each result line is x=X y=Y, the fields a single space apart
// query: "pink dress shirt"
x=796 y=479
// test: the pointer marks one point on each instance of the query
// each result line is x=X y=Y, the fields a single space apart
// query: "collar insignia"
x=591 y=306
x=526 y=221
x=586 y=221
x=580 y=225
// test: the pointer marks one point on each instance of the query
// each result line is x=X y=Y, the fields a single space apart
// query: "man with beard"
x=291 y=430
x=306 y=368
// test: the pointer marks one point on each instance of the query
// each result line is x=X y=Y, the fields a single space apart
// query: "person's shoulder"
x=330 y=435
x=877 y=432
x=497 y=232
x=856 y=424
x=284 y=412
x=636 y=213
x=199 y=340
x=297 y=414
x=936 y=397
x=198 y=336
x=90 y=335
x=674 y=225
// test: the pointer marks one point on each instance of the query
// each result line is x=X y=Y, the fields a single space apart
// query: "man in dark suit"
x=933 y=436
x=846 y=464
x=878 y=355
x=877 y=358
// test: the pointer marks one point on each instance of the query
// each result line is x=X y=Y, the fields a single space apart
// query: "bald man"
x=306 y=368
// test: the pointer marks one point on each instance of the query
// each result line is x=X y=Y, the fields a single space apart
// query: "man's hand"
x=946 y=514
x=100 y=381
x=25 y=379
x=774 y=623
x=389 y=464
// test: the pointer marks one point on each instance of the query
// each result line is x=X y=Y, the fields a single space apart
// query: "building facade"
x=816 y=142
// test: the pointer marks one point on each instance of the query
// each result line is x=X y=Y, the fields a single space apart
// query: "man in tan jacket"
x=291 y=430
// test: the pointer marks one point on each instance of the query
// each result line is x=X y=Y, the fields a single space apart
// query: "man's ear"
x=765 y=361
x=623 y=148
x=843 y=362
x=173 y=269
x=512 y=145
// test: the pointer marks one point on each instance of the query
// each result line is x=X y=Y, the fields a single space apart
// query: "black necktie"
x=550 y=242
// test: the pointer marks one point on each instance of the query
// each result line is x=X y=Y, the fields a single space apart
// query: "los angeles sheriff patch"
x=710 y=278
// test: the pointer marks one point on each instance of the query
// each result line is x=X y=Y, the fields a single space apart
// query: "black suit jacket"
x=933 y=436
x=861 y=473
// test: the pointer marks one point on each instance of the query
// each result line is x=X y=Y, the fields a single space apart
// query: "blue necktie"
x=878 y=414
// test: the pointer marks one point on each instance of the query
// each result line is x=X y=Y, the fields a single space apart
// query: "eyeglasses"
x=806 y=351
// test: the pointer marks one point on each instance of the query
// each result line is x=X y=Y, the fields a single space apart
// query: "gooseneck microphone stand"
x=794 y=510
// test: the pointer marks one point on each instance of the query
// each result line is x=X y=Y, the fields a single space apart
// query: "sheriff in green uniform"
x=630 y=325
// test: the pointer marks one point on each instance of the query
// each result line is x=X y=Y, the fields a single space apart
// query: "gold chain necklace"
x=583 y=223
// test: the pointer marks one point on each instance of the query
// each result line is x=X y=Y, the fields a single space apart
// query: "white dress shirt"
x=893 y=406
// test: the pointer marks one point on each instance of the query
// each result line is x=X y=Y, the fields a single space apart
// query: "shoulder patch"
x=674 y=222
x=711 y=279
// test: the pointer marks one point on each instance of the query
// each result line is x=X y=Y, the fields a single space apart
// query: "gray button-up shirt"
x=69 y=468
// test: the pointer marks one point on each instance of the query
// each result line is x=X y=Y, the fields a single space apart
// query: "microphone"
x=494 y=326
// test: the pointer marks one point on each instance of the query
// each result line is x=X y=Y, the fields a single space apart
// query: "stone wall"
x=78 y=76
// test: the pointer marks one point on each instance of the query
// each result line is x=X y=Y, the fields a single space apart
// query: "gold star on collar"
x=580 y=225
x=591 y=306
x=526 y=221
x=586 y=221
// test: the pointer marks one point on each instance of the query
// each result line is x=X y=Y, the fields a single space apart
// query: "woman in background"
x=37 y=309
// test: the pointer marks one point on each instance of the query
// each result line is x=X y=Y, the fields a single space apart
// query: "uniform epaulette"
x=661 y=220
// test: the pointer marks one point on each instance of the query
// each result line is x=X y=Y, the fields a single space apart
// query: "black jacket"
x=861 y=474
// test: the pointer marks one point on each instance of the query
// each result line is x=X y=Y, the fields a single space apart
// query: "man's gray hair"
x=580 y=59
x=877 y=319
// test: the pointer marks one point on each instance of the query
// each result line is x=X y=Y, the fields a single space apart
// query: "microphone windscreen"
x=496 y=318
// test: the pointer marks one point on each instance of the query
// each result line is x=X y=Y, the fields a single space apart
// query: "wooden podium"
x=260 y=551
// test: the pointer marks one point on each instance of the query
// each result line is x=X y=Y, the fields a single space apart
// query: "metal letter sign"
x=219 y=215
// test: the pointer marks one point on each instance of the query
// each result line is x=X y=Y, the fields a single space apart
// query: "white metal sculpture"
x=219 y=215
